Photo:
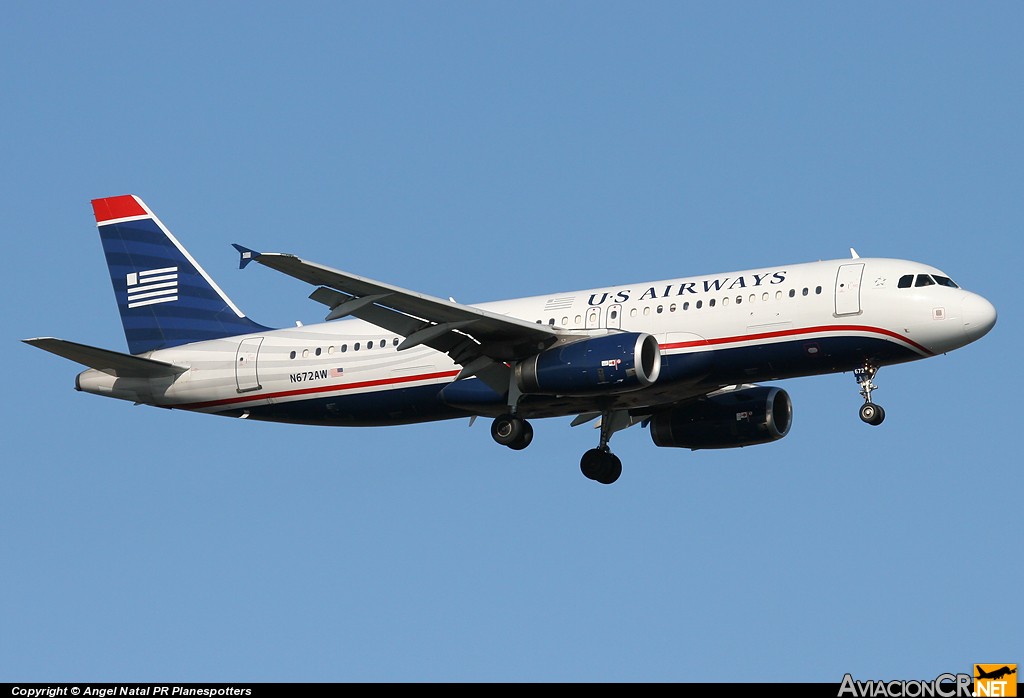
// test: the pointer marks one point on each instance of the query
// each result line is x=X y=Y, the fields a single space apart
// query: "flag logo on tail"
x=152 y=286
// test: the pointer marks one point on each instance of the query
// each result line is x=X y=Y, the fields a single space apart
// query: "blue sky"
x=483 y=151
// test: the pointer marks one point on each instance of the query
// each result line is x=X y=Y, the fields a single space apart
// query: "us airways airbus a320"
x=683 y=357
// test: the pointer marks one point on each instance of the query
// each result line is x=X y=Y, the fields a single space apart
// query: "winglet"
x=247 y=255
x=853 y=254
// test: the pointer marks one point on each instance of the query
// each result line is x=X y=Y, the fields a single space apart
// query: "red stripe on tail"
x=116 y=207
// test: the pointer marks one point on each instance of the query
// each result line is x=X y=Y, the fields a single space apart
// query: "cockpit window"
x=907 y=280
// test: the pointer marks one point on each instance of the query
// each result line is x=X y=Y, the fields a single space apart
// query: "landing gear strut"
x=870 y=413
x=509 y=429
x=512 y=431
x=600 y=464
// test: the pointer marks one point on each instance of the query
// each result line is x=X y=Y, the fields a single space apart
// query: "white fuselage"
x=760 y=324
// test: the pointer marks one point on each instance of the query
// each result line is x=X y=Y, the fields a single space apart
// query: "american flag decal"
x=152 y=286
x=559 y=303
x=337 y=372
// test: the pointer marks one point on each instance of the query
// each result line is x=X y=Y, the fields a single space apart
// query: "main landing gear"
x=598 y=464
x=601 y=464
x=512 y=431
x=870 y=413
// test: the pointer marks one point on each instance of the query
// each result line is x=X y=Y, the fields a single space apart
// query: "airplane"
x=684 y=357
x=996 y=674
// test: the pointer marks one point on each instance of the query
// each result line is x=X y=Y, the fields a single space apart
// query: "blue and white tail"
x=164 y=296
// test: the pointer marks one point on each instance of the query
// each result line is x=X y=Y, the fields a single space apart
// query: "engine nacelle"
x=615 y=363
x=737 y=418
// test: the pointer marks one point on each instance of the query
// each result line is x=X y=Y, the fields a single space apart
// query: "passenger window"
x=356 y=347
x=711 y=303
x=394 y=342
x=906 y=281
x=686 y=305
x=817 y=290
x=805 y=291
x=632 y=313
x=305 y=353
x=292 y=355
x=344 y=348
x=672 y=308
x=924 y=280
x=699 y=304
x=660 y=308
x=739 y=299
x=318 y=350
x=725 y=301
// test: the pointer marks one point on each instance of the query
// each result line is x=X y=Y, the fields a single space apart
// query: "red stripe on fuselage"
x=448 y=374
x=116 y=207
x=318 y=389
x=795 y=332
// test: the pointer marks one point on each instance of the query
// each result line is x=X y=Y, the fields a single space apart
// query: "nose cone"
x=979 y=316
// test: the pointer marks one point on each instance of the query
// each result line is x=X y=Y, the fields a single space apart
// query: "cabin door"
x=245 y=364
x=848 y=289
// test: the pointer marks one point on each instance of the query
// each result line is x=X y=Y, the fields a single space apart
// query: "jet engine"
x=615 y=363
x=743 y=417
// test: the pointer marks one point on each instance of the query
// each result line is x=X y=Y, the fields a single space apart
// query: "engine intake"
x=737 y=418
x=615 y=363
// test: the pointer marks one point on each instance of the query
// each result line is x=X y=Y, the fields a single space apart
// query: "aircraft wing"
x=478 y=339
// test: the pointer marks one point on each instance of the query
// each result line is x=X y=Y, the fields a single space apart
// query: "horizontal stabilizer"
x=112 y=362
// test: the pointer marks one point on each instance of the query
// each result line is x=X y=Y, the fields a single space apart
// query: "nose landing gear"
x=870 y=413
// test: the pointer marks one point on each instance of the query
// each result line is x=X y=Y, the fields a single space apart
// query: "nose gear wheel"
x=870 y=413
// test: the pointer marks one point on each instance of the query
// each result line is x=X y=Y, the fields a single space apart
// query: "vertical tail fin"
x=164 y=296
